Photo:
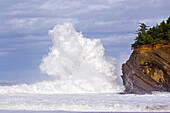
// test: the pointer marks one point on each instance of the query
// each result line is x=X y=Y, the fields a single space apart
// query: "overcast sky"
x=24 y=26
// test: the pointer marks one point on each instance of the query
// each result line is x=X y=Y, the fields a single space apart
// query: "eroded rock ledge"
x=148 y=69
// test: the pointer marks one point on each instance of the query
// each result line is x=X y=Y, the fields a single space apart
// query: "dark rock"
x=148 y=69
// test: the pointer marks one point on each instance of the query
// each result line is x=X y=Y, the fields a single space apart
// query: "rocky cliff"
x=148 y=69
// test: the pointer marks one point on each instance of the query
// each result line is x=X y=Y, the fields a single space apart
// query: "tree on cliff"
x=143 y=37
x=143 y=29
x=160 y=33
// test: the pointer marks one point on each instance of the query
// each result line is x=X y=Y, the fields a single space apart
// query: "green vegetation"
x=158 y=34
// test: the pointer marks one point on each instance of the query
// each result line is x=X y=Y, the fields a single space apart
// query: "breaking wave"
x=77 y=64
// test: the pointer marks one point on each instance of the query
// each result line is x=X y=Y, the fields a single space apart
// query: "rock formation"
x=148 y=69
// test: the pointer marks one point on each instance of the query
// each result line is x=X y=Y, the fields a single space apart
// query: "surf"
x=77 y=65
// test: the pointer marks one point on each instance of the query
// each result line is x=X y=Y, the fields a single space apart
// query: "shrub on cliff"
x=156 y=34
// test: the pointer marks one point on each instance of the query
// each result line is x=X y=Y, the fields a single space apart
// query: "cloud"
x=36 y=17
x=3 y=53
x=101 y=23
x=152 y=21
x=118 y=39
x=6 y=51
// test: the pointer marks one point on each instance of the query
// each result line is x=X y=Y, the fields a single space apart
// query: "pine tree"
x=143 y=29
x=163 y=30
x=160 y=33
x=168 y=29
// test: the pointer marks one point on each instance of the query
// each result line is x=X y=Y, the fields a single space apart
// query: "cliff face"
x=148 y=69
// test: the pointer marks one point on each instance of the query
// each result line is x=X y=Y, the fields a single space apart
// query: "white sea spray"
x=77 y=64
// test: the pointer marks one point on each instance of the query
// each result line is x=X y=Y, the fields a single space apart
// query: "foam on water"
x=86 y=102
x=77 y=64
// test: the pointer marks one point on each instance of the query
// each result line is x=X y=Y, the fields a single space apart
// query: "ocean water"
x=84 y=80
x=94 y=102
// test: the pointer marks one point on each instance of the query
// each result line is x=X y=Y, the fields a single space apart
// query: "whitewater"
x=83 y=79
x=76 y=64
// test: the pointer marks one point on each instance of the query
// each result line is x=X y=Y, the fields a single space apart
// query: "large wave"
x=77 y=65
